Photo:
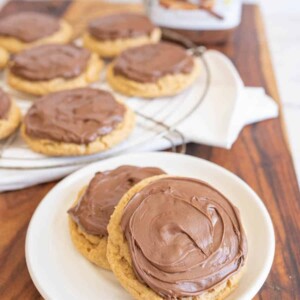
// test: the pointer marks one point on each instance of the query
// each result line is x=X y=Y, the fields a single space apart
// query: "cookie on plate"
x=27 y=29
x=109 y=35
x=10 y=115
x=150 y=71
x=76 y=122
x=4 y=56
x=176 y=238
x=91 y=212
x=51 y=68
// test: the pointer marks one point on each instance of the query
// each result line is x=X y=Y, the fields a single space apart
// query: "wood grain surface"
x=260 y=156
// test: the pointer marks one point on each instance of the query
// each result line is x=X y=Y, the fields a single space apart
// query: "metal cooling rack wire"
x=159 y=128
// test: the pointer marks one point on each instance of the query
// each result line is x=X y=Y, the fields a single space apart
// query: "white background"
x=282 y=20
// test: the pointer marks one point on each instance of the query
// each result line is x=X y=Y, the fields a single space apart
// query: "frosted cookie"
x=27 y=29
x=76 y=122
x=90 y=215
x=151 y=71
x=176 y=238
x=10 y=115
x=51 y=68
x=109 y=35
x=4 y=56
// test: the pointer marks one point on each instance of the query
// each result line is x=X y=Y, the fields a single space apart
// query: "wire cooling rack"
x=157 y=118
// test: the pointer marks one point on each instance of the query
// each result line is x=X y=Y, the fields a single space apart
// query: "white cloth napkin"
x=228 y=107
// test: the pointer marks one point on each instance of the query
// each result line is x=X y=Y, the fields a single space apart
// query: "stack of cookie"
x=70 y=118
x=163 y=237
x=18 y=32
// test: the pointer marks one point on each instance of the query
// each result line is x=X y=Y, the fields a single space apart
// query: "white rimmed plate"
x=60 y=272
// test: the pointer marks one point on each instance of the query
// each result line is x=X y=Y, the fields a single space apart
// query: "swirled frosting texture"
x=149 y=63
x=28 y=26
x=184 y=237
x=74 y=116
x=120 y=26
x=4 y=104
x=47 y=62
x=93 y=211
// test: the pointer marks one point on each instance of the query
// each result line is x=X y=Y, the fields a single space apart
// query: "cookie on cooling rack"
x=4 y=56
x=76 y=122
x=109 y=35
x=51 y=68
x=27 y=29
x=150 y=71
x=10 y=115
x=89 y=217
x=176 y=238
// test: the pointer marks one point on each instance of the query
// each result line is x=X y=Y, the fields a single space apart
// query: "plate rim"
x=271 y=241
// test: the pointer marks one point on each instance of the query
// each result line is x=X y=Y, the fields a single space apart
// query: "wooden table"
x=260 y=156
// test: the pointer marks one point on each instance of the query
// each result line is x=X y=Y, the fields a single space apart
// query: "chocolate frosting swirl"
x=5 y=104
x=47 y=62
x=74 y=116
x=184 y=237
x=93 y=211
x=28 y=26
x=148 y=63
x=118 y=26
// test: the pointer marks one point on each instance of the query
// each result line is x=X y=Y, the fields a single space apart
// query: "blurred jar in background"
x=202 y=21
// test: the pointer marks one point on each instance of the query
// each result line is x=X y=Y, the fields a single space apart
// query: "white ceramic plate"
x=60 y=272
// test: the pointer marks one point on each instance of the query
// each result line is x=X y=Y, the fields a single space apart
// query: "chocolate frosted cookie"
x=150 y=71
x=27 y=29
x=176 y=238
x=76 y=122
x=50 y=68
x=10 y=115
x=109 y=35
x=50 y=62
x=90 y=215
